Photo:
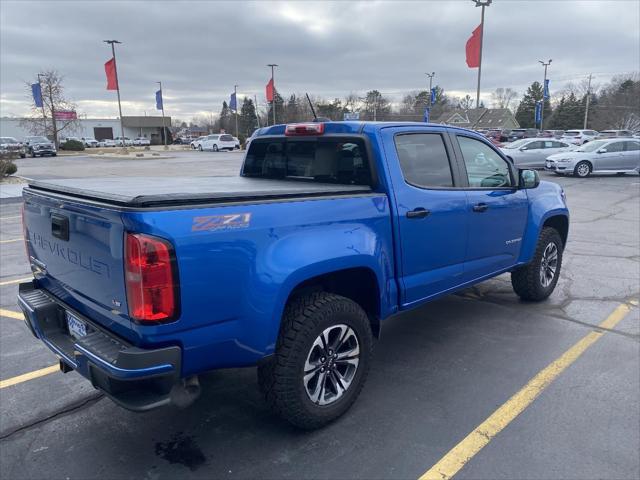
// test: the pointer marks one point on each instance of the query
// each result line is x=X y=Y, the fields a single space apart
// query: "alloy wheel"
x=548 y=264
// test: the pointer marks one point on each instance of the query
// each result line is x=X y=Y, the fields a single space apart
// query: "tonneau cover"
x=154 y=191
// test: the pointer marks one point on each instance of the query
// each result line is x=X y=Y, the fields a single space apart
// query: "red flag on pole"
x=473 y=48
x=270 y=91
x=110 y=70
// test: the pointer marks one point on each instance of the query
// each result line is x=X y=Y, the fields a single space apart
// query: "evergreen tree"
x=525 y=114
x=226 y=117
x=279 y=106
x=247 y=120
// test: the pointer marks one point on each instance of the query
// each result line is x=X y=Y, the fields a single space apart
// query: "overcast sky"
x=199 y=50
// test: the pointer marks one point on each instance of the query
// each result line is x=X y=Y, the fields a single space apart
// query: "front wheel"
x=537 y=280
x=215 y=147
x=583 y=169
x=322 y=358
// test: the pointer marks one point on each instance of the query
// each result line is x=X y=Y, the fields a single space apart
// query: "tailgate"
x=76 y=252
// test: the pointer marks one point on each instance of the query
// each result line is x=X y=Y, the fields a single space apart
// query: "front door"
x=430 y=215
x=609 y=157
x=496 y=208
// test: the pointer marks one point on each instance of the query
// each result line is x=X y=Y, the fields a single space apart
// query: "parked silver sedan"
x=620 y=155
x=533 y=152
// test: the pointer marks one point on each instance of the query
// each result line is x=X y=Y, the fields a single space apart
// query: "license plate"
x=77 y=328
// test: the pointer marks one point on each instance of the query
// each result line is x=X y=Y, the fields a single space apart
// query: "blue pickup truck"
x=141 y=285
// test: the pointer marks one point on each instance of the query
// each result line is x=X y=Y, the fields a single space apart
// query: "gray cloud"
x=201 y=49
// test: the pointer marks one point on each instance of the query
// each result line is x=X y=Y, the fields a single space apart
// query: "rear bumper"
x=137 y=379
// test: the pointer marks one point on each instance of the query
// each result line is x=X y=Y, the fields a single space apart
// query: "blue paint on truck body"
x=239 y=262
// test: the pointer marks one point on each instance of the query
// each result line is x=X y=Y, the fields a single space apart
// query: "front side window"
x=485 y=168
x=615 y=147
x=424 y=160
x=535 y=145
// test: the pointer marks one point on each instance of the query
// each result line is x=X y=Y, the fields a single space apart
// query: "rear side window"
x=631 y=146
x=424 y=160
x=326 y=160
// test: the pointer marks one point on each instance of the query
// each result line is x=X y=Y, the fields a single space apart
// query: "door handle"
x=480 y=207
x=418 y=213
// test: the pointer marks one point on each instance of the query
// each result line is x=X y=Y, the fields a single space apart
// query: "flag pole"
x=164 y=128
x=115 y=69
x=235 y=95
x=483 y=4
x=44 y=116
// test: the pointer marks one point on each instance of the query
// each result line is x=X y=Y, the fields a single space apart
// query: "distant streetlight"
x=544 y=86
x=430 y=75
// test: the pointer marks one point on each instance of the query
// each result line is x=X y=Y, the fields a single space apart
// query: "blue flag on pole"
x=36 y=90
x=159 y=105
x=538 y=112
x=433 y=95
x=426 y=115
x=232 y=103
x=545 y=93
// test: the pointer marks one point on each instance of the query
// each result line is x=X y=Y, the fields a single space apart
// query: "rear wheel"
x=321 y=361
x=199 y=148
x=582 y=169
x=215 y=147
x=537 y=280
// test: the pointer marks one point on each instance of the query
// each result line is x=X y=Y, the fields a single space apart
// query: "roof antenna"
x=313 y=110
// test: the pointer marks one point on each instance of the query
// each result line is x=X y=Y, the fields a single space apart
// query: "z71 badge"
x=221 y=222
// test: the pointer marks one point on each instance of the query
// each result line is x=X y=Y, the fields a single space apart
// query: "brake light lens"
x=294 y=129
x=151 y=282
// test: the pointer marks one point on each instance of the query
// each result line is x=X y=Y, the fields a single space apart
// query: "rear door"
x=496 y=209
x=430 y=211
x=76 y=252
x=631 y=154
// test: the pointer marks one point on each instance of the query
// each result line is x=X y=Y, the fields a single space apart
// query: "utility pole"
x=53 y=114
x=586 y=110
x=115 y=68
x=483 y=4
x=273 y=82
x=235 y=95
x=544 y=84
x=44 y=116
x=164 y=128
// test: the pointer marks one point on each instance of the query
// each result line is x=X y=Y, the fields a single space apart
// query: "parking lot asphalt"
x=438 y=374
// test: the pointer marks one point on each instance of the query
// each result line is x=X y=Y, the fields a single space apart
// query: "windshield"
x=8 y=140
x=326 y=160
x=591 y=146
x=37 y=139
x=516 y=144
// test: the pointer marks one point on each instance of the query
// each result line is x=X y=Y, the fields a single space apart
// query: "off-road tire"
x=526 y=280
x=281 y=378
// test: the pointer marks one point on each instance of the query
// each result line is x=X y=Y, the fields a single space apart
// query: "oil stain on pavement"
x=182 y=449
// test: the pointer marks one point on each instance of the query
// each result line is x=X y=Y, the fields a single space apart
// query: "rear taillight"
x=294 y=129
x=151 y=279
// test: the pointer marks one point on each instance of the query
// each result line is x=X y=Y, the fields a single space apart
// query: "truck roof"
x=347 y=127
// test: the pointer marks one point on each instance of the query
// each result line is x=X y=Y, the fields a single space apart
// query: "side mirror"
x=602 y=150
x=522 y=149
x=529 y=178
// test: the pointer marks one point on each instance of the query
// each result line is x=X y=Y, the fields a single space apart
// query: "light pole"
x=483 y=4
x=164 y=128
x=235 y=95
x=44 y=116
x=273 y=83
x=430 y=75
x=115 y=69
x=544 y=84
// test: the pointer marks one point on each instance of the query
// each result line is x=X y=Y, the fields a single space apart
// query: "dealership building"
x=98 y=128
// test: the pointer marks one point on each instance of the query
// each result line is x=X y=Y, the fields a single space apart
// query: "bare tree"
x=503 y=97
x=42 y=121
x=466 y=103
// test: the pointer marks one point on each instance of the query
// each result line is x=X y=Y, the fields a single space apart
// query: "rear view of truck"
x=93 y=281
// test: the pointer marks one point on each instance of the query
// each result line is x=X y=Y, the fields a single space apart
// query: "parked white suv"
x=197 y=143
x=141 y=142
x=579 y=137
x=89 y=142
x=215 y=143
x=127 y=142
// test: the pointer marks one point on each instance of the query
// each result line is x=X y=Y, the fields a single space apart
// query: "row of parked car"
x=90 y=142
x=215 y=143
x=575 y=137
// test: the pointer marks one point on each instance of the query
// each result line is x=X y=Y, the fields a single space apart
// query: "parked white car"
x=532 y=152
x=141 y=142
x=107 y=142
x=89 y=142
x=619 y=155
x=579 y=137
x=218 y=142
x=127 y=142
x=235 y=139
x=615 y=134
x=197 y=143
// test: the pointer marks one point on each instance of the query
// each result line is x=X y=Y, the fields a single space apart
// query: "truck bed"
x=160 y=191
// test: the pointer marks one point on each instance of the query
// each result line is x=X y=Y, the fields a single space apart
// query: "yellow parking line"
x=11 y=314
x=464 y=451
x=17 y=280
x=29 y=376
x=11 y=241
x=11 y=217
